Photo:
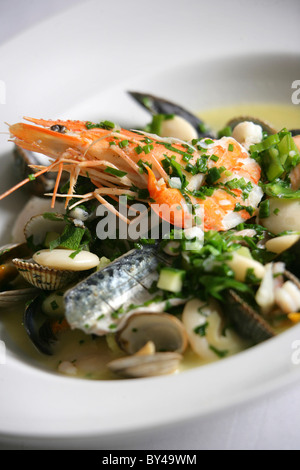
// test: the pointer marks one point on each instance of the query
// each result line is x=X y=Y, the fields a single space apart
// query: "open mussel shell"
x=146 y=366
x=165 y=331
x=40 y=185
x=42 y=330
x=156 y=105
x=43 y=277
x=13 y=291
x=295 y=132
x=266 y=126
x=247 y=322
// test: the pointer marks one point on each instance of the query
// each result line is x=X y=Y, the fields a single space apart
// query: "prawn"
x=216 y=178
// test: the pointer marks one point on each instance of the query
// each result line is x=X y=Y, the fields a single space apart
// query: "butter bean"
x=60 y=259
x=280 y=244
x=179 y=128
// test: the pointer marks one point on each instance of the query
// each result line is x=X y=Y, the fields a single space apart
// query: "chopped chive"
x=201 y=329
x=230 y=147
x=214 y=158
x=239 y=207
x=123 y=143
x=54 y=305
x=218 y=352
x=31 y=177
x=264 y=209
x=115 y=172
x=138 y=149
x=108 y=125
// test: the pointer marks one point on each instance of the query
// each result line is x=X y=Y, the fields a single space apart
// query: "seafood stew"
x=175 y=244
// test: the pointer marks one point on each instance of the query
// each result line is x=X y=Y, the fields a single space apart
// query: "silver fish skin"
x=93 y=304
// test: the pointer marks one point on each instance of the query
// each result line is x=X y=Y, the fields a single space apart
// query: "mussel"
x=156 y=105
x=248 y=322
x=13 y=288
x=39 y=186
x=43 y=330
x=266 y=126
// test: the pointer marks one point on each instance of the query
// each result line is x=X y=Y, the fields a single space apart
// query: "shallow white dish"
x=35 y=403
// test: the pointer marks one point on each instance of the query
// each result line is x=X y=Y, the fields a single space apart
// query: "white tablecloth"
x=271 y=422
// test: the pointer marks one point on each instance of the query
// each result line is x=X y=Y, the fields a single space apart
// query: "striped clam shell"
x=43 y=277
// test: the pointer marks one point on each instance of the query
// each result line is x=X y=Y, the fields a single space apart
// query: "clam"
x=34 y=207
x=188 y=124
x=43 y=277
x=155 y=342
x=38 y=226
x=165 y=331
x=13 y=287
x=55 y=269
x=41 y=329
x=149 y=365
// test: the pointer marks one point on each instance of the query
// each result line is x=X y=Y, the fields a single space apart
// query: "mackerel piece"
x=101 y=303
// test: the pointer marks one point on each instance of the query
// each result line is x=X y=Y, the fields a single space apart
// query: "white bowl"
x=36 y=403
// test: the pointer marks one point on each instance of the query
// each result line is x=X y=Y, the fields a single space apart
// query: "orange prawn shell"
x=168 y=203
x=81 y=151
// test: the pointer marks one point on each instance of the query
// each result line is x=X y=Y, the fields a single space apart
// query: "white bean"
x=247 y=133
x=62 y=259
x=279 y=244
x=286 y=216
x=179 y=128
x=240 y=265
x=207 y=317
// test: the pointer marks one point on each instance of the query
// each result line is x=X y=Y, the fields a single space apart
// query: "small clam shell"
x=146 y=366
x=164 y=330
x=38 y=226
x=43 y=277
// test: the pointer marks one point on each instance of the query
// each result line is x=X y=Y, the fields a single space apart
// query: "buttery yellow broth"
x=91 y=355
